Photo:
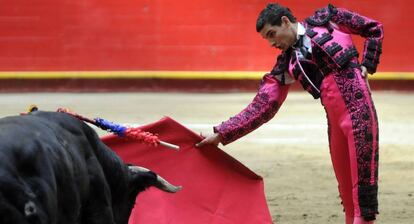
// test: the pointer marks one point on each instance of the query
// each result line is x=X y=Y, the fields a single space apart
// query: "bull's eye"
x=29 y=208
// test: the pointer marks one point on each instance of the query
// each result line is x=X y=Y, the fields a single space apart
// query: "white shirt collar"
x=300 y=31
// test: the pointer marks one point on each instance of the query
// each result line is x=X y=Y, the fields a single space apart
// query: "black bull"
x=55 y=169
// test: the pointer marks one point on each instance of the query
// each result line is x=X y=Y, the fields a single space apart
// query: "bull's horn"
x=161 y=182
x=137 y=169
x=164 y=185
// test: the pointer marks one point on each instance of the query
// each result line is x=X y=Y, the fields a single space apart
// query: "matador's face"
x=281 y=37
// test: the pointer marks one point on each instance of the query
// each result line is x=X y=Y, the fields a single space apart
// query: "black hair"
x=272 y=14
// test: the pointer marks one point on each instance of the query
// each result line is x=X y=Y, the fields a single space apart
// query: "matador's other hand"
x=364 y=71
x=213 y=139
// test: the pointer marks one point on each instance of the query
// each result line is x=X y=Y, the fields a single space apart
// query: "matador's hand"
x=364 y=73
x=213 y=139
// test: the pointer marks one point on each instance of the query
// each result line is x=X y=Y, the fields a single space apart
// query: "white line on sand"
x=312 y=134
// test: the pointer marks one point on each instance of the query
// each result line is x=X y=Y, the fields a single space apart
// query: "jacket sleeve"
x=264 y=106
x=370 y=29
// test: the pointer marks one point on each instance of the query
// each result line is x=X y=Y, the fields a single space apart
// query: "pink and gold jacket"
x=332 y=51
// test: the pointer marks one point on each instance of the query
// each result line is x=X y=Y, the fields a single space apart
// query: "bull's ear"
x=144 y=177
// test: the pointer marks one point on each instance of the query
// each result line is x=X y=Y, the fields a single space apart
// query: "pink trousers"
x=353 y=142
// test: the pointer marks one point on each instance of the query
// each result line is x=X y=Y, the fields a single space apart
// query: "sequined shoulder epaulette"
x=322 y=16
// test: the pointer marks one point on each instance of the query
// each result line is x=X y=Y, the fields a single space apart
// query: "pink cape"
x=217 y=189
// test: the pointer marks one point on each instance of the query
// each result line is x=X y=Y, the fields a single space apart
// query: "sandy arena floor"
x=290 y=152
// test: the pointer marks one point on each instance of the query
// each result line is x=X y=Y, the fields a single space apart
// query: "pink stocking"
x=360 y=220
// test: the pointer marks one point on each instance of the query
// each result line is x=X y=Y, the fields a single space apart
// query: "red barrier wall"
x=70 y=35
